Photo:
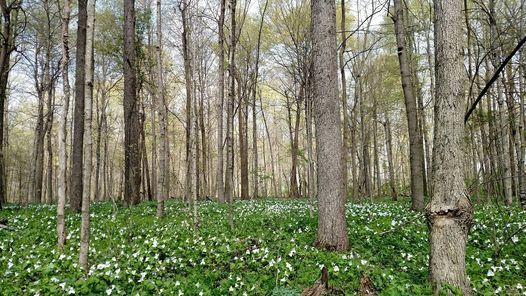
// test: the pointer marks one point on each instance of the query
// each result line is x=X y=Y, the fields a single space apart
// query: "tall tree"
x=229 y=179
x=132 y=124
x=86 y=195
x=164 y=177
x=191 y=189
x=255 y=167
x=450 y=212
x=63 y=131
x=332 y=227
x=220 y=104
x=78 y=116
x=416 y=149
x=9 y=34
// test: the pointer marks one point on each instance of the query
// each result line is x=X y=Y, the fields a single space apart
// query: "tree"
x=416 y=149
x=86 y=195
x=164 y=177
x=450 y=212
x=132 y=125
x=191 y=116
x=78 y=116
x=220 y=104
x=229 y=179
x=63 y=131
x=332 y=227
x=10 y=32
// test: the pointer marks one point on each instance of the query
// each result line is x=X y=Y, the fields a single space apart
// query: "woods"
x=320 y=133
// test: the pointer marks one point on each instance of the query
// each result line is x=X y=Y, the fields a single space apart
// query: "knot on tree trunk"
x=461 y=213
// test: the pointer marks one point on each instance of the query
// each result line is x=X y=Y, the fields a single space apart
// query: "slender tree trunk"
x=503 y=135
x=450 y=213
x=343 y=48
x=255 y=165
x=220 y=190
x=49 y=144
x=332 y=227
x=389 y=146
x=243 y=143
x=164 y=171
x=78 y=117
x=191 y=121
x=63 y=131
x=132 y=154
x=88 y=100
x=415 y=139
x=229 y=180
x=86 y=196
x=9 y=15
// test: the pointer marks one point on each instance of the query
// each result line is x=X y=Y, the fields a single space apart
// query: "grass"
x=269 y=253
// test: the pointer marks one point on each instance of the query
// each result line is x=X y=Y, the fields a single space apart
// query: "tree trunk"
x=7 y=46
x=450 y=213
x=255 y=165
x=77 y=156
x=415 y=137
x=63 y=131
x=389 y=148
x=191 y=116
x=220 y=190
x=86 y=196
x=229 y=180
x=332 y=227
x=346 y=132
x=132 y=154
x=164 y=171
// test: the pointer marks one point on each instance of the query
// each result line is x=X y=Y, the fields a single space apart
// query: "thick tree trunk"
x=77 y=154
x=450 y=213
x=132 y=153
x=415 y=137
x=332 y=227
x=63 y=131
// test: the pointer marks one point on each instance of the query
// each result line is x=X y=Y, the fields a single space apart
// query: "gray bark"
x=450 y=212
x=332 y=227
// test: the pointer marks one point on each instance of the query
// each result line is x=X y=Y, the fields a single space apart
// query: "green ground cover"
x=269 y=253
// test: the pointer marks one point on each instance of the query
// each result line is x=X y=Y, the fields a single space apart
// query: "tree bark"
x=229 y=180
x=86 y=196
x=415 y=137
x=389 y=148
x=132 y=154
x=164 y=171
x=78 y=116
x=63 y=131
x=332 y=227
x=450 y=212
x=346 y=131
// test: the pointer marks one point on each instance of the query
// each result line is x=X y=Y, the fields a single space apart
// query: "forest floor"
x=269 y=253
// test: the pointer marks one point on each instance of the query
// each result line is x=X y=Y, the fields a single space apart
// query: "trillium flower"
x=515 y=239
x=336 y=268
x=490 y=273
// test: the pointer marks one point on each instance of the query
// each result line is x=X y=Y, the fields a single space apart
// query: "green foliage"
x=270 y=251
